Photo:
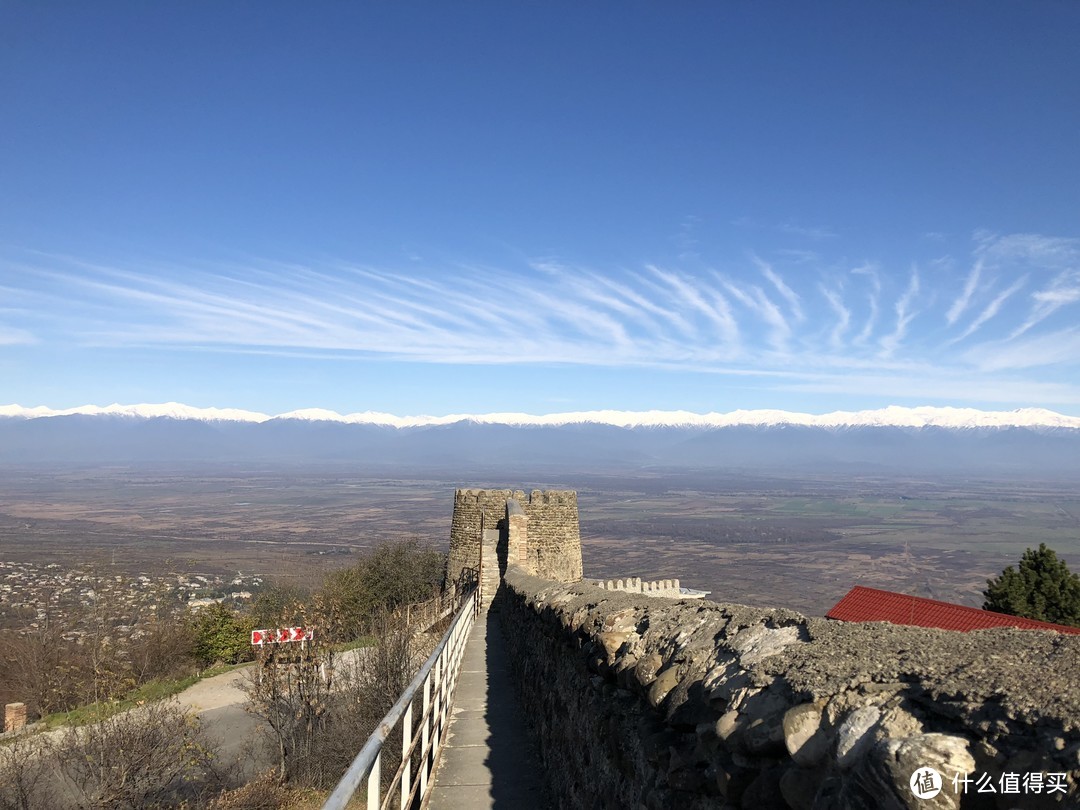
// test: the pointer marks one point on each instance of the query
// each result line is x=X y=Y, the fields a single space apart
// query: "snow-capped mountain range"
x=892 y=416
x=1026 y=443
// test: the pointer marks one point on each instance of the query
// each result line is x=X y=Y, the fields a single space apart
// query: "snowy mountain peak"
x=170 y=410
x=891 y=416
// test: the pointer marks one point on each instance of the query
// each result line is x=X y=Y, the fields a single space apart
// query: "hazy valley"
x=796 y=541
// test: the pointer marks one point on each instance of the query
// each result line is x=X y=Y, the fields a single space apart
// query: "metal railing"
x=436 y=680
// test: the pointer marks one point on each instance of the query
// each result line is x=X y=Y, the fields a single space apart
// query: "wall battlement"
x=666 y=588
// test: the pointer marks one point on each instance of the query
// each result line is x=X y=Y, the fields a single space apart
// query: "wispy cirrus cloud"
x=1025 y=249
x=775 y=318
x=782 y=288
x=1053 y=263
x=11 y=336
x=702 y=299
x=816 y=233
x=992 y=309
x=754 y=299
x=905 y=313
x=960 y=305
x=1064 y=290
x=843 y=316
x=873 y=307
x=1061 y=347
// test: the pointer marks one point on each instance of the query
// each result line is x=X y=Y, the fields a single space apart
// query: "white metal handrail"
x=436 y=679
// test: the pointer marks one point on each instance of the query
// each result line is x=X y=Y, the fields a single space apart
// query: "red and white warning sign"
x=282 y=635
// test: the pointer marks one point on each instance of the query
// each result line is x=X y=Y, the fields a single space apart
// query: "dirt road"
x=220 y=703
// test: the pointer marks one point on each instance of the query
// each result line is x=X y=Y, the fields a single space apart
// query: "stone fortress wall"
x=648 y=702
x=657 y=703
x=553 y=547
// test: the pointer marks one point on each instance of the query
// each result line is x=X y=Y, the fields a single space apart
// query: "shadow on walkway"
x=489 y=760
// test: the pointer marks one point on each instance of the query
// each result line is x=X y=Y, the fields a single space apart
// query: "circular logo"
x=926 y=783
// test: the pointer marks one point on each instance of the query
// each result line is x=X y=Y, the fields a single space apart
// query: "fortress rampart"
x=648 y=702
x=546 y=536
x=657 y=703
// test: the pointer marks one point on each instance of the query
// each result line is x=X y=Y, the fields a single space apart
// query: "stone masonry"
x=646 y=703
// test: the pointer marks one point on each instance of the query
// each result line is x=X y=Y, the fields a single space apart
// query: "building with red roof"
x=872 y=605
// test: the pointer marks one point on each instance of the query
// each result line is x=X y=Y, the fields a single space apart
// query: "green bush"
x=393 y=574
x=220 y=635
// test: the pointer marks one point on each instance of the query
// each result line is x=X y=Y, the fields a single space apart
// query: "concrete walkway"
x=489 y=760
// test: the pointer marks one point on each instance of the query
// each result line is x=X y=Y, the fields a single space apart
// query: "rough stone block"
x=853 y=737
x=806 y=740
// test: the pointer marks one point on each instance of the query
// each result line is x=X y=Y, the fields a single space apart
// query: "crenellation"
x=666 y=588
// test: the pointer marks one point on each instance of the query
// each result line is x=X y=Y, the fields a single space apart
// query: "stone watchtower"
x=493 y=526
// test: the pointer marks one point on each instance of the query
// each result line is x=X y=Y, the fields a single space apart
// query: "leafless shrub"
x=162 y=648
x=264 y=792
x=370 y=686
x=391 y=664
x=24 y=783
x=155 y=756
x=323 y=707
x=43 y=669
x=289 y=687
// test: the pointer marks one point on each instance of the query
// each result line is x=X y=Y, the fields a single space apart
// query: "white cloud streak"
x=872 y=298
x=12 y=336
x=1050 y=349
x=1031 y=249
x=709 y=303
x=843 y=316
x=815 y=233
x=765 y=324
x=1065 y=290
x=781 y=286
x=992 y=309
x=755 y=300
x=904 y=315
x=961 y=303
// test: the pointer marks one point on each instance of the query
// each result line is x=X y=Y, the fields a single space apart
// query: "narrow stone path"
x=489 y=760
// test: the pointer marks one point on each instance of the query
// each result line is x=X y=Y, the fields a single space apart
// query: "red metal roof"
x=871 y=605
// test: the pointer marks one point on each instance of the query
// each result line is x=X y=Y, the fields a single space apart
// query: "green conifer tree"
x=1042 y=589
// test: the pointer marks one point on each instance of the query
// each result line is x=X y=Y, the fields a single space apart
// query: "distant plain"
x=797 y=541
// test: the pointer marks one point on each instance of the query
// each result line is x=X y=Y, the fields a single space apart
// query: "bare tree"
x=154 y=756
x=321 y=707
x=289 y=688
x=70 y=653
x=42 y=668
x=24 y=776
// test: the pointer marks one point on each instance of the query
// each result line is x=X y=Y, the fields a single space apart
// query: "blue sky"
x=440 y=208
